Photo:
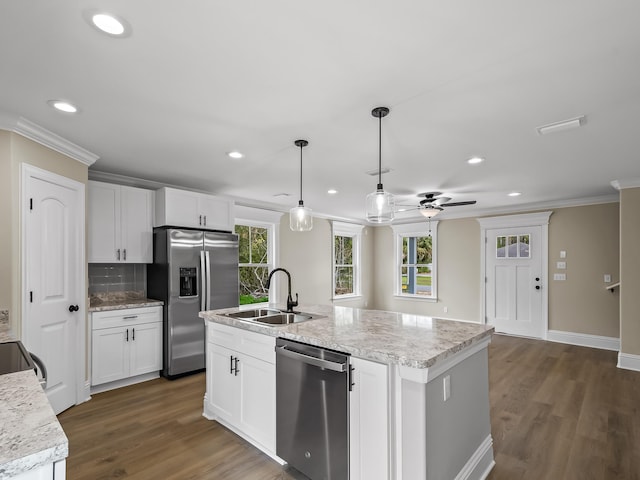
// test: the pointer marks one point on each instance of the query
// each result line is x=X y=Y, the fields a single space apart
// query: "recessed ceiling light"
x=235 y=154
x=332 y=191
x=475 y=160
x=107 y=23
x=63 y=106
x=514 y=194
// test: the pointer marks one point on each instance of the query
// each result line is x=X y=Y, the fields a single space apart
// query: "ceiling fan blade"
x=458 y=204
x=441 y=200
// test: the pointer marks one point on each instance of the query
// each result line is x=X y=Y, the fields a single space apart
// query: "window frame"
x=258 y=218
x=354 y=231
x=422 y=229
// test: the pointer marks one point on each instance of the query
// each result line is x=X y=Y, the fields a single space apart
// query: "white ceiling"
x=197 y=79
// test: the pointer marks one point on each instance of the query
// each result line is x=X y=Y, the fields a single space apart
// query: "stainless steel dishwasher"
x=312 y=409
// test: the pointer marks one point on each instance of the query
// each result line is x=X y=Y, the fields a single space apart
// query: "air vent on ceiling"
x=282 y=194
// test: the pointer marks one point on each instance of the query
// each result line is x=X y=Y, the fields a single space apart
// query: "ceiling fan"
x=432 y=203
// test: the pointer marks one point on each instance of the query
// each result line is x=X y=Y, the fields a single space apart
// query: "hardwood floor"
x=558 y=412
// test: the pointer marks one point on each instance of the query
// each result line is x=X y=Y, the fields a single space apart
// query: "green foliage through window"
x=253 y=247
x=417 y=262
x=343 y=261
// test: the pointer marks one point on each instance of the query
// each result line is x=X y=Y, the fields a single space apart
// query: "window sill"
x=251 y=306
x=419 y=298
x=346 y=297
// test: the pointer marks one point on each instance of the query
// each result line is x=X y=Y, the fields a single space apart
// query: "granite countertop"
x=121 y=300
x=414 y=341
x=30 y=434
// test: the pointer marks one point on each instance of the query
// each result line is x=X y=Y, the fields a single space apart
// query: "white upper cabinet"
x=120 y=224
x=181 y=208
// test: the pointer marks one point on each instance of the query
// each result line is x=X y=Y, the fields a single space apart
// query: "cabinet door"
x=222 y=385
x=103 y=222
x=136 y=225
x=257 y=415
x=145 y=348
x=180 y=208
x=217 y=213
x=368 y=421
x=110 y=354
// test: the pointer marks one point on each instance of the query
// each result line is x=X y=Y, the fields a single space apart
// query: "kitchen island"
x=33 y=445
x=420 y=405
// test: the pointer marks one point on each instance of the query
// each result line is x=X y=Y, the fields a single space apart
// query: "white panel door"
x=110 y=355
x=222 y=384
x=258 y=400
x=514 y=281
x=54 y=281
x=103 y=222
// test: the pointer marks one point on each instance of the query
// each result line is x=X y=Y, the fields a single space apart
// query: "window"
x=346 y=259
x=415 y=245
x=255 y=244
x=513 y=246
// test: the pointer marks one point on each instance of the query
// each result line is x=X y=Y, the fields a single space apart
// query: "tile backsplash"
x=119 y=277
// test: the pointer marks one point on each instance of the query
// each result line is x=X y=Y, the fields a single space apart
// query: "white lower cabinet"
x=52 y=471
x=241 y=384
x=125 y=343
x=369 y=421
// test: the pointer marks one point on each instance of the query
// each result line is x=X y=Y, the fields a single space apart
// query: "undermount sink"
x=270 y=316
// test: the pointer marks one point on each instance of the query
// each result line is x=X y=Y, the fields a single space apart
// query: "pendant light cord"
x=380 y=152
x=301 y=202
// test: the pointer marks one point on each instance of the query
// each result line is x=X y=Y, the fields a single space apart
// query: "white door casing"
x=53 y=278
x=514 y=283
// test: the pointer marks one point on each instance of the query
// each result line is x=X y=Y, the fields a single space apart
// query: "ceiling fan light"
x=430 y=212
x=380 y=206
x=300 y=218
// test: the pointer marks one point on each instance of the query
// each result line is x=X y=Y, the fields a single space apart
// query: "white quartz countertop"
x=414 y=341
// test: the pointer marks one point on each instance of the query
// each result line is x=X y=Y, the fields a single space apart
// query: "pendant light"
x=380 y=205
x=300 y=219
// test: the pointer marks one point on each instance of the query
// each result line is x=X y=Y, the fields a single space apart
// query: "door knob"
x=73 y=308
x=537 y=287
x=537 y=279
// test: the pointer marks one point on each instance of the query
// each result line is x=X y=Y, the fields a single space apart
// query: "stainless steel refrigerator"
x=192 y=270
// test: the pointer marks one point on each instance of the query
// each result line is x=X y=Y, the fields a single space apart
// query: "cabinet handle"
x=125 y=254
x=200 y=220
x=127 y=334
x=237 y=370
x=133 y=334
x=205 y=220
x=129 y=317
x=118 y=254
x=230 y=363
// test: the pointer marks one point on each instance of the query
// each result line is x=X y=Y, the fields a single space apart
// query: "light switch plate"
x=607 y=278
x=559 y=276
x=561 y=265
x=563 y=254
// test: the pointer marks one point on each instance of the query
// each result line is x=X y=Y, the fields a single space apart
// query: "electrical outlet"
x=446 y=387
x=446 y=309
x=607 y=278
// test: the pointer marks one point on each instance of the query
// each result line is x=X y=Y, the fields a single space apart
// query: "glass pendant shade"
x=380 y=206
x=300 y=219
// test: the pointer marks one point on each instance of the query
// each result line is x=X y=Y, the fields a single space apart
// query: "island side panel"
x=448 y=438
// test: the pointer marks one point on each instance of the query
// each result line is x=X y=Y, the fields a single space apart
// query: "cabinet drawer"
x=124 y=317
x=249 y=343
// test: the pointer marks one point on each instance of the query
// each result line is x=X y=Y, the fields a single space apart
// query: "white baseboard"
x=87 y=391
x=480 y=463
x=584 y=340
x=629 y=361
x=125 y=382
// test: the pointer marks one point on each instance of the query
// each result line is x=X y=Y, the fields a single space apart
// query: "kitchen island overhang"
x=436 y=385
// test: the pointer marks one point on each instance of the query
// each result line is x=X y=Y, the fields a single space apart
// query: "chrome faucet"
x=290 y=302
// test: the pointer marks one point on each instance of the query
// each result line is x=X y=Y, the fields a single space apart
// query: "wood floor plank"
x=558 y=412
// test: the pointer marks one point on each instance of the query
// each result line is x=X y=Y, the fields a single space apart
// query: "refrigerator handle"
x=208 y=262
x=203 y=281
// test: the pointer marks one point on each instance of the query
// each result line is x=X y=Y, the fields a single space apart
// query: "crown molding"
x=41 y=135
x=628 y=183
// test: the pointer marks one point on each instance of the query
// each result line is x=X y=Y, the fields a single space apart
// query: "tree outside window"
x=416 y=259
x=253 y=248
x=343 y=248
